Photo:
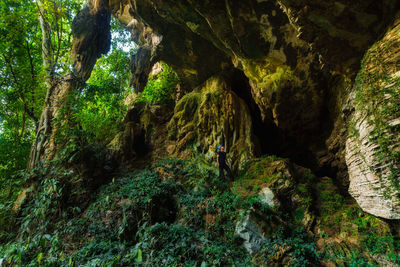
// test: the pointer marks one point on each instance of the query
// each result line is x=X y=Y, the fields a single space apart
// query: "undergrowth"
x=360 y=238
x=176 y=213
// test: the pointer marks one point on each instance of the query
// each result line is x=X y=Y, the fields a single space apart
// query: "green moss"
x=205 y=117
x=269 y=74
x=185 y=112
x=193 y=26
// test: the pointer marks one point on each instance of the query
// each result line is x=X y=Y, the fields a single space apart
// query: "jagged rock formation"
x=211 y=116
x=144 y=133
x=253 y=227
x=372 y=149
x=295 y=60
x=299 y=59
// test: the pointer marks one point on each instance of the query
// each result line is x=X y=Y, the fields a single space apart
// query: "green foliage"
x=100 y=116
x=154 y=217
x=14 y=153
x=341 y=217
x=22 y=87
x=93 y=116
x=161 y=89
x=295 y=249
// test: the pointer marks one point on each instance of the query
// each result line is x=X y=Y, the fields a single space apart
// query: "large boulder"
x=254 y=226
x=282 y=185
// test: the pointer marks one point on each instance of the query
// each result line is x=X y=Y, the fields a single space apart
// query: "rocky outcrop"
x=297 y=60
x=282 y=186
x=372 y=148
x=339 y=31
x=211 y=116
x=199 y=40
x=255 y=226
x=289 y=53
x=144 y=133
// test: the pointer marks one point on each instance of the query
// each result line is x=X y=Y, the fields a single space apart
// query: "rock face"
x=372 y=148
x=144 y=132
x=339 y=31
x=297 y=61
x=282 y=186
x=287 y=51
x=211 y=116
x=254 y=226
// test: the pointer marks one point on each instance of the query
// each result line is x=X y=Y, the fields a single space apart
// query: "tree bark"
x=91 y=33
x=47 y=51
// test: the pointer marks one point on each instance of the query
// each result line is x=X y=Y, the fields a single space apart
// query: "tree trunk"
x=47 y=51
x=91 y=33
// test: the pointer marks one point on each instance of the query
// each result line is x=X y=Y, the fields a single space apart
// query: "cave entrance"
x=269 y=138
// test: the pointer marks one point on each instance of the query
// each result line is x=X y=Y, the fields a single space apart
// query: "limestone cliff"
x=373 y=145
x=298 y=60
x=273 y=77
x=211 y=116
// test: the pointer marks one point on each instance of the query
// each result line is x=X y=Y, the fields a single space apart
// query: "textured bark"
x=91 y=31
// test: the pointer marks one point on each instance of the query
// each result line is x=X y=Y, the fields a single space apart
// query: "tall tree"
x=91 y=32
x=29 y=65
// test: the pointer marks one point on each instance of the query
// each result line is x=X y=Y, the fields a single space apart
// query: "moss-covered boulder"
x=210 y=116
x=290 y=184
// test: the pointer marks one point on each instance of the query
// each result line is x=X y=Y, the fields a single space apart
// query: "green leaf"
x=40 y=257
x=139 y=255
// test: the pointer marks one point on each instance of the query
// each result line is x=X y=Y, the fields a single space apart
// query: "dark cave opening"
x=141 y=146
x=263 y=131
x=273 y=141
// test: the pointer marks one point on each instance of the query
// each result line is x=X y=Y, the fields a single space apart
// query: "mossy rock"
x=290 y=184
x=372 y=146
x=211 y=116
